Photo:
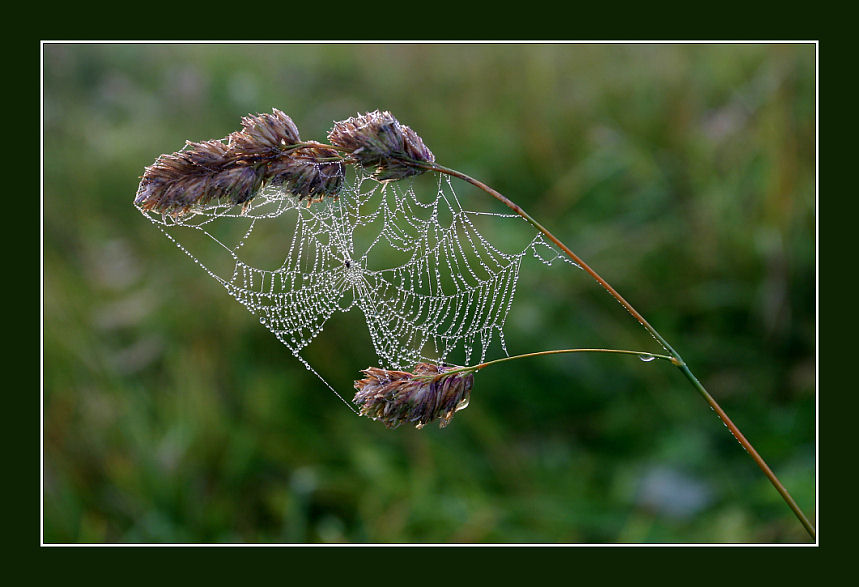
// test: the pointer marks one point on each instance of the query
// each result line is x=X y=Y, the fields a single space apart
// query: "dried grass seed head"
x=264 y=135
x=312 y=172
x=418 y=397
x=177 y=181
x=266 y=151
x=377 y=139
x=238 y=183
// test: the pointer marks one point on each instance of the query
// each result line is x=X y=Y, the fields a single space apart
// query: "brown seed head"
x=310 y=172
x=419 y=397
x=377 y=139
x=207 y=155
x=266 y=151
x=176 y=183
x=237 y=183
x=169 y=185
x=264 y=135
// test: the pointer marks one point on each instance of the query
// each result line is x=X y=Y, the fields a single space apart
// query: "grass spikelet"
x=267 y=151
x=264 y=135
x=312 y=172
x=377 y=139
x=418 y=397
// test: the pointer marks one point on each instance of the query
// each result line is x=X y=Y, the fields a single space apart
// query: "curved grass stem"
x=645 y=356
x=675 y=357
x=641 y=354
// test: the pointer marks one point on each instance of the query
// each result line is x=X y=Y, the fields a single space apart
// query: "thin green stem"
x=642 y=354
x=675 y=356
x=750 y=449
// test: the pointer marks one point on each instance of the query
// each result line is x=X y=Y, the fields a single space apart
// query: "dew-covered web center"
x=430 y=286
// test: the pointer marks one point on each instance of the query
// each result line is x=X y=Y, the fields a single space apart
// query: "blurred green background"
x=683 y=173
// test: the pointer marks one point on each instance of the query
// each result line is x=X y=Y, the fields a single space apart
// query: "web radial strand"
x=421 y=269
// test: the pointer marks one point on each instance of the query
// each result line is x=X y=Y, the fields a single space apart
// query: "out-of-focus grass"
x=683 y=173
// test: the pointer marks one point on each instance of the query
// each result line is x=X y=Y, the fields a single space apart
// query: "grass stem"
x=675 y=357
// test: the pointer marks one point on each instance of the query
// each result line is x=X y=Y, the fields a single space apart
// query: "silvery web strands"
x=426 y=280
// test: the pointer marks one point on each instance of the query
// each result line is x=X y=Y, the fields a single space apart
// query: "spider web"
x=430 y=286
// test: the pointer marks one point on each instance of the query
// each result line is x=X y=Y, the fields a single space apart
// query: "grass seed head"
x=310 y=172
x=264 y=135
x=418 y=397
x=378 y=140
x=178 y=181
x=266 y=151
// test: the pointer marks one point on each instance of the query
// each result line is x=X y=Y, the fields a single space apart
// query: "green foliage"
x=683 y=173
